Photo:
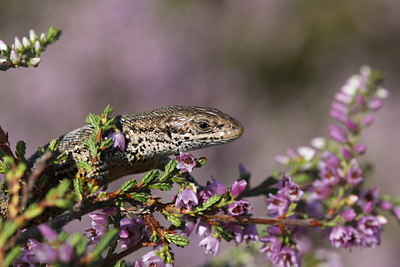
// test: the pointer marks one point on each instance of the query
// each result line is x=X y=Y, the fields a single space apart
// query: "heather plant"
x=319 y=192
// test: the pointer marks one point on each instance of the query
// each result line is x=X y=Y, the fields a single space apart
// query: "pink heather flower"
x=369 y=225
x=119 y=140
x=349 y=215
x=152 y=259
x=360 y=99
x=346 y=153
x=375 y=104
x=203 y=228
x=386 y=205
x=186 y=199
x=190 y=224
x=360 y=148
x=330 y=175
x=130 y=232
x=338 y=134
x=330 y=160
x=350 y=125
x=277 y=205
x=320 y=190
x=368 y=199
x=367 y=120
x=354 y=174
x=238 y=187
x=250 y=233
x=239 y=207
x=44 y=253
x=211 y=244
x=98 y=218
x=213 y=188
x=110 y=211
x=186 y=162
x=370 y=241
x=290 y=189
x=237 y=232
x=271 y=246
x=343 y=98
x=286 y=257
x=344 y=236
x=47 y=233
x=95 y=233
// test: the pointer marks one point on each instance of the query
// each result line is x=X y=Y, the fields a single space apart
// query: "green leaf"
x=60 y=158
x=139 y=196
x=173 y=218
x=128 y=185
x=91 y=144
x=178 y=179
x=106 y=143
x=78 y=188
x=63 y=186
x=120 y=263
x=12 y=256
x=178 y=240
x=161 y=186
x=169 y=168
x=84 y=165
x=208 y=203
x=149 y=176
x=21 y=150
x=108 y=110
x=33 y=211
x=225 y=234
x=63 y=203
x=107 y=239
x=53 y=146
x=93 y=120
x=8 y=230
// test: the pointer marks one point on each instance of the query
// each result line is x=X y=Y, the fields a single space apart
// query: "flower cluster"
x=26 y=52
x=50 y=251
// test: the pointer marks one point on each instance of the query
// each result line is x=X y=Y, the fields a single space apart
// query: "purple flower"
x=95 y=233
x=239 y=207
x=119 y=140
x=330 y=175
x=277 y=205
x=354 y=174
x=98 y=218
x=190 y=224
x=286 y=257
x=370 y=241
x=290 y=189
x=203 y=228
x=367 y=120
x=360 y=148
x=186 y=162
x=213 y=188
x=130 y=232
x=346 y=153
x=368 y=199
x=186 y=199
x=319 y=190
x=152 y=259
x=47 y=232
x=237 y=232
x=349 y=215
x=271 y=246
x=250 y=233
x=44 y=253
x=238 y=187
x=330 y=160
x=344 y=236
x=211 y=244
x=338 y=134
x=386 y=205
x=369 y=225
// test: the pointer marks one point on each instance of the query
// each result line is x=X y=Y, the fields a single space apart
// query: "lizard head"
x=198 y=127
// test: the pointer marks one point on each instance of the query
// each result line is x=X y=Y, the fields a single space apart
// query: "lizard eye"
x=203 y=125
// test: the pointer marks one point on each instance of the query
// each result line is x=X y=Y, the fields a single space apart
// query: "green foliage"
x=53 y=146
x=128 y=185
x=207 y=204
x=21 y=150
x=8 y=230
x=84 y=165
x=178 y=240
x=12 y=256
x=225 y=234
x=149 y=176
x=174 y=219
x=107 y=239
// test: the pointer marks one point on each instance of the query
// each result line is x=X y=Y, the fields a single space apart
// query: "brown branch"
x=248 y=220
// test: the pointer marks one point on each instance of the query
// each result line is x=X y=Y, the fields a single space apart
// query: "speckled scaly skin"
x=150 y=138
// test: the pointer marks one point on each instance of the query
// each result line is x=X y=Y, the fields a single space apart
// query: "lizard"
x=150 y=138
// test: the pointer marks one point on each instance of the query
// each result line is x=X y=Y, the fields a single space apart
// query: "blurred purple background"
x=273 y=65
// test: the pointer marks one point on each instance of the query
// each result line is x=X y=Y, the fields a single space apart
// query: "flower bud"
x=34 y=61
x=32 y=36
x=38 y=47
x=18 y=45
x=3 y=46
x=26 y=42
x=14 y=57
